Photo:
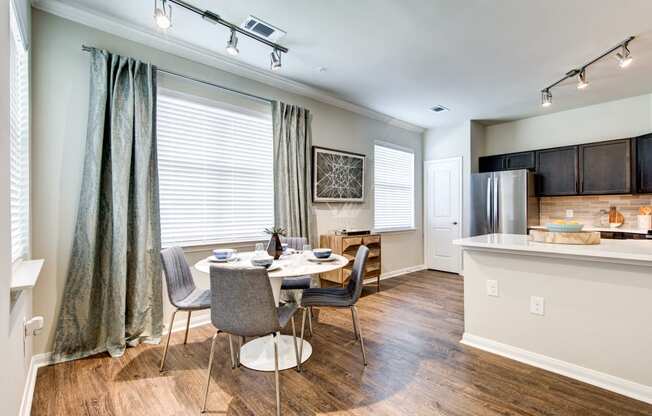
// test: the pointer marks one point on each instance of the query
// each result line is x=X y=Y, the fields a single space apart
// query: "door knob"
x=454 y=222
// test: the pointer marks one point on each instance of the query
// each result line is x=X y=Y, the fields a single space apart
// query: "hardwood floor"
x=416 y=366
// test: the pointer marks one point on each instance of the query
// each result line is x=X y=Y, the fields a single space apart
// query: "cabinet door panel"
x=523 y=160
x=491 y=163
x=605 y=168
x=557 y=171
x=644 y=163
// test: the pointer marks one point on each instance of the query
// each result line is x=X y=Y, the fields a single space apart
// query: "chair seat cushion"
x=301 y=282
x=329 y=296
x=285 y=313
x=197 y=299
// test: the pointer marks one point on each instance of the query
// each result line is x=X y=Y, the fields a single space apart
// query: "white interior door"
x=443 y=198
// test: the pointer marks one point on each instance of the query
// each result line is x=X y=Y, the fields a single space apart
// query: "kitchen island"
x=581 y=311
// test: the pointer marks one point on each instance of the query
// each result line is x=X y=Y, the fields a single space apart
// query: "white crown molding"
x=151 y=38
x=606 y=381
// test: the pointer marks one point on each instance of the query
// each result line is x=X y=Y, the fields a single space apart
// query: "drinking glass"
x=307 y=247
x=260 y=249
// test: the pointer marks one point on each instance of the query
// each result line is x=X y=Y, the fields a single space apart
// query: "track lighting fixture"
x=546 y=98
x=624 y=56
x=232 y=44
x=624 y=59
x=163 y=19
x=163 y=14
x=581 y=79
x=275 y=61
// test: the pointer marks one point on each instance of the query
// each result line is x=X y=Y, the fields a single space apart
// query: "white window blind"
x=215 y=171
x=18 y=142
x=393 y=189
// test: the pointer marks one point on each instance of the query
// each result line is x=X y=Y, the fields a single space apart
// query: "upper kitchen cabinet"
x=643 y=145
x=606 y=167
x=557 y=171
x=510 y=161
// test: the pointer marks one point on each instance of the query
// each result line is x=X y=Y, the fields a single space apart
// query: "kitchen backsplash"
x=586 y=209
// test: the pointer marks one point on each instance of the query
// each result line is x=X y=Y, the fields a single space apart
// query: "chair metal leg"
x=185 y=339
x=210 y=368
x=357 y=323
x=303 y=325
x=310 y=321
x=233 y=363
x=167 y=343
x=276 y=376
x=296 y=350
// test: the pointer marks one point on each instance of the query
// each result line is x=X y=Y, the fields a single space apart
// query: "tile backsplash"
x=586 y=209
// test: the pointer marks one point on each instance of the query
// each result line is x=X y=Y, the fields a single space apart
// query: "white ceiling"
x=486 y=60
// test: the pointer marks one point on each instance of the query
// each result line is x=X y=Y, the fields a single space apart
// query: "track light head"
x=546 y=98
x=275 y=60
x=232 y=44
x=582 y=83
x=624 y=56
x=162 y=14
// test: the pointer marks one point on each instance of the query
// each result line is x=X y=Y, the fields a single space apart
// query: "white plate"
x=316 y=260
x=275 y=266
x=213 y=259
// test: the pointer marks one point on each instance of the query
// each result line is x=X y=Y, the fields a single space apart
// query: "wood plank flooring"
x=416 y=366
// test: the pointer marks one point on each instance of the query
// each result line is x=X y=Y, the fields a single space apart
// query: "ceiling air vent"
x=439 y=108
x=263 y=29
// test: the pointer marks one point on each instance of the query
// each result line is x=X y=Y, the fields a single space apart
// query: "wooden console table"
x=347 y=246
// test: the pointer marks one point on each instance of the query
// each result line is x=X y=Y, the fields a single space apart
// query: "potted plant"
x=274 y=247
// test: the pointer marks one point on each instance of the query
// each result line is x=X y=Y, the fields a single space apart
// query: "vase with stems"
x=274 y=247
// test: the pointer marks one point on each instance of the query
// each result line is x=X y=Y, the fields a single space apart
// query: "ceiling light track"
x=163 y=18
x=624 y=59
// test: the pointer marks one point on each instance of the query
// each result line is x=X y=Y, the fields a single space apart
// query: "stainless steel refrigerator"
x=503 y=202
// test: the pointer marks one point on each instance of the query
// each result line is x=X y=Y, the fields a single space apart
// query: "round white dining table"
x=258 y=354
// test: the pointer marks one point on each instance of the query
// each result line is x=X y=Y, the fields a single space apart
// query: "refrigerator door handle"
x=489 y=205
x=496 y=212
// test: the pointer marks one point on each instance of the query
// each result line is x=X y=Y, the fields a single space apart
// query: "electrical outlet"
x=569 y=213
x=492 y=287
x=537 y=305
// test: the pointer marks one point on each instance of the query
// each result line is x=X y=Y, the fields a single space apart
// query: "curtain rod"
x=176 y=74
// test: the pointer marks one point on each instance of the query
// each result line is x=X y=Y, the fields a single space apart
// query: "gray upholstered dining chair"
x=182 y=292
x=300 y=282
x=242 y=304
x=340 y=297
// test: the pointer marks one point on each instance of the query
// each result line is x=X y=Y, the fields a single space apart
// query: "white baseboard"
x=198 y=318
x=399 y=272
x=37 y=361
x=606 y=381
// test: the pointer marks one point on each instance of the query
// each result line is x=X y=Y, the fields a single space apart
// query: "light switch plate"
x=492 y=287
x=537 y=305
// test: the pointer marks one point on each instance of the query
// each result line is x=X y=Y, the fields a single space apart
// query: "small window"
x=393 y=189
x=215 y=171
x=18 y=142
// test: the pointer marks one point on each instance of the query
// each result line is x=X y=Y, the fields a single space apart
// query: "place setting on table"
x=280 y=261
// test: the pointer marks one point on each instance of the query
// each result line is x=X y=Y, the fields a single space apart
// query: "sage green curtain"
x=292 y=170
x=112 y=296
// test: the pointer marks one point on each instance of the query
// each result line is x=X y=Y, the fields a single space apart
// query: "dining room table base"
x=258 y=354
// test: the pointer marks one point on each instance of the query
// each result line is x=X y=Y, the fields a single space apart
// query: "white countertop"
x=602 y=229
x=613 y=251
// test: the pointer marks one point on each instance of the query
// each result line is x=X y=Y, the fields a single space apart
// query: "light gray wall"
x=12 y=311
x=60 y=100
x=611 y=120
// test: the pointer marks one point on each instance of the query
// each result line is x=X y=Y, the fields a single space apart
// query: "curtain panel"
x=112 y=296
x=292 y=170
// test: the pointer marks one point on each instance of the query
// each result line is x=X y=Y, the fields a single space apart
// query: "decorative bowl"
x=568 y=227
x=264 y=261
x=322 y=253
x=223 y=253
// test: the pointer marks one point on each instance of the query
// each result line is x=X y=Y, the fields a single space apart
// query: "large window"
x=393 y=188
x=18 y=141
x=215 y=171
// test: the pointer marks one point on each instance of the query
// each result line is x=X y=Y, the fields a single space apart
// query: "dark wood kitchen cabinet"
x=557 y=171
x=605 y=168
x=643 y=146
x=510 y=161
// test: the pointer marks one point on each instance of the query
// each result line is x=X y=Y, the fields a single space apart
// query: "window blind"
x=393 y=188
x=18 y=142
x=215 y=171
